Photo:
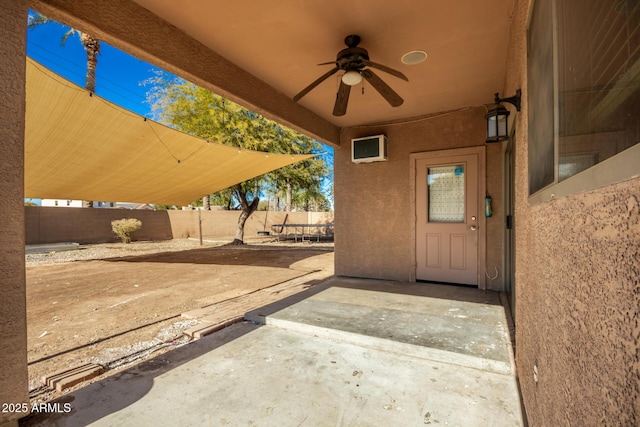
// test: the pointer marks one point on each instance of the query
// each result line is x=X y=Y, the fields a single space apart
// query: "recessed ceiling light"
x=414 y=57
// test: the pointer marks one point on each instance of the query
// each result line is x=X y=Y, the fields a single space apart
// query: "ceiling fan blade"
x=319 y=80
x=392 y=98
x=386 y=69
x=342 y=98
x=340 y=62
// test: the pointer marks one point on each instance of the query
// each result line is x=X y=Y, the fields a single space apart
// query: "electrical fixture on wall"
x=497 y=124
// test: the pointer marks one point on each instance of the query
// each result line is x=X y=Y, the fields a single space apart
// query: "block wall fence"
x=61 y=224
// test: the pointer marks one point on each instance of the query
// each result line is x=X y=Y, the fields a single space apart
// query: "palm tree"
x=92 y=48
x=206 y=202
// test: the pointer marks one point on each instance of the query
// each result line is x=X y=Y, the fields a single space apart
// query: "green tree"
x=306 y=175
x=164 y=207
x=194 y=110
x=91 y=47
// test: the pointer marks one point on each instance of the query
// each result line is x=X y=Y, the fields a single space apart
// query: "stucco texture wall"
x=13 y=327
x=577 y=289
x=372 y=200
x=578 y=307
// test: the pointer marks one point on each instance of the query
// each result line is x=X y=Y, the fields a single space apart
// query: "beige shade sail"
x=80 y=146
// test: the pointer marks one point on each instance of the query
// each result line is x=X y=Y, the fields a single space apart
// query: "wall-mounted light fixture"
x=497 y=128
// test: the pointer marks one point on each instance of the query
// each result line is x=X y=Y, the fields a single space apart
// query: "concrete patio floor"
x=347 y=352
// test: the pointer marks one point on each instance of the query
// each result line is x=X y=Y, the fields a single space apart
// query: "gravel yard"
x=119 y=250
x=114 y=250
x=115 y=304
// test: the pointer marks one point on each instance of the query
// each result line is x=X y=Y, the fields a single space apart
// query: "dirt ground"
x=118 y=310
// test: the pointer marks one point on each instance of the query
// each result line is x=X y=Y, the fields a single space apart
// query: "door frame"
x=480 y=151
x=510 y=225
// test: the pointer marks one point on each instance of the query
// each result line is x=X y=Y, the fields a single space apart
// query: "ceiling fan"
x=353 y=61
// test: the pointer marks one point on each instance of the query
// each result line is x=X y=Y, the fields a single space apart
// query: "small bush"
x=124 y=228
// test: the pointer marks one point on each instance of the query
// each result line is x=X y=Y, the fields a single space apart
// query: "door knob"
x=473 y=228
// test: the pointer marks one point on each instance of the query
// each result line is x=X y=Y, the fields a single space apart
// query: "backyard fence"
x=61 y=224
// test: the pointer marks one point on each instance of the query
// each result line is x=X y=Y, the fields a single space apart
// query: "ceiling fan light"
x=351 y=78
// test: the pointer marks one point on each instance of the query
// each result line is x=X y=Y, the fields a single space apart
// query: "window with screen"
x=594 y=50
x=541 y=97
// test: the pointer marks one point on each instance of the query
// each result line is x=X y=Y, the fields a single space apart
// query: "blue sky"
x=118 y=74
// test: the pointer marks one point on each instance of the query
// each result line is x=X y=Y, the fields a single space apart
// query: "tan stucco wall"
x=577 y=290
x=372 y=201
x=13 y=320
x=578 y=299
x=61 y=224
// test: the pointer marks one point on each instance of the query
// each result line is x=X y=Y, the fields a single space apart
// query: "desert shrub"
x=124 y=228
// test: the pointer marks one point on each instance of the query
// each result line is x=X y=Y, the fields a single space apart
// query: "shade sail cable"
x=85 y=147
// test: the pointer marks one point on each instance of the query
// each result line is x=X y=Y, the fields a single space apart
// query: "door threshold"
x=431 y=282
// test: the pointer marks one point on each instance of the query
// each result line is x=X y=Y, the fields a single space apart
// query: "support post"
x=200 y=225
x=14 y=381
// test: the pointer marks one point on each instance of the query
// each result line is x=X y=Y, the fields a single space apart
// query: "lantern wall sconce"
x=497 y=123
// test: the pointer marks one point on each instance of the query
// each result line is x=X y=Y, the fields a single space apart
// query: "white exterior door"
x=449 y=224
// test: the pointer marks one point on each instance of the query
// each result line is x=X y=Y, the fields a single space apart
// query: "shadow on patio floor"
x=346 y=352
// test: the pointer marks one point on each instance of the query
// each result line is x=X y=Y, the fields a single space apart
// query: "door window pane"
x=445 y=187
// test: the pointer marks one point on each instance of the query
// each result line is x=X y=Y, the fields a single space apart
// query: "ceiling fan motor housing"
x=351 y=58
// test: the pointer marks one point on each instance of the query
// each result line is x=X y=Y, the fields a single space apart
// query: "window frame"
x=617 y=168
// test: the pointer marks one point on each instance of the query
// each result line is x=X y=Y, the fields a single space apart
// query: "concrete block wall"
x=61 y=224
